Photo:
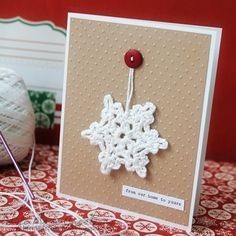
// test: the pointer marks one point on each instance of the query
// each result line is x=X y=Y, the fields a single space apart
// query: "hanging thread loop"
x=130 y=89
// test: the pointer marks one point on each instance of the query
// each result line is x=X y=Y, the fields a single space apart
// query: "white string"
x=130 y=89
x=67 y=211
x=78 y=218
x=31 y=162
x=12 y=208
x=23 y=203
x=37 y=221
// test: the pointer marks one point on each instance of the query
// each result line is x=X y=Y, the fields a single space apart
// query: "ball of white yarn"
x=17 y=121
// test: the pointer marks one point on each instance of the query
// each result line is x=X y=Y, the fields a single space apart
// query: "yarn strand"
x=38 y=223
x=130 y=89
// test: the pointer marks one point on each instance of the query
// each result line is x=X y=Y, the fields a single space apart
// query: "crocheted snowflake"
x=125 y=138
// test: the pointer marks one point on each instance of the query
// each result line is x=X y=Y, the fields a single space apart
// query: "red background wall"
x=221 y=142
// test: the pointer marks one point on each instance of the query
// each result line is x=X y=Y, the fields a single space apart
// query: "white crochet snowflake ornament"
x=125 y=136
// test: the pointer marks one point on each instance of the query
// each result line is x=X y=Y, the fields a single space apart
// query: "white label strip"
x=152 y=197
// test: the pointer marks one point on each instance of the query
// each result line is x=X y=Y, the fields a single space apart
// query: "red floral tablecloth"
x=216 y=215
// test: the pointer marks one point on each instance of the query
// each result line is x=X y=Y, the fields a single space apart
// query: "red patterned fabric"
x=216 y=215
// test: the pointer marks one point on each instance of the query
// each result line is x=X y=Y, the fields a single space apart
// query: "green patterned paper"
x=44 y=104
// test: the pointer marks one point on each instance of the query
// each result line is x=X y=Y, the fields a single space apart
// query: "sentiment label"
x=152 y=197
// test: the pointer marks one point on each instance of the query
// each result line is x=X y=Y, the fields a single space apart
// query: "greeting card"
x=136 y=111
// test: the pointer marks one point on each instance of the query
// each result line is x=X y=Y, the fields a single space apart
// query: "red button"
x=133 y=58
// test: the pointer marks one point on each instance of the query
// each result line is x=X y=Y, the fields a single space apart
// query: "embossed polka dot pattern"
x=172 y=76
